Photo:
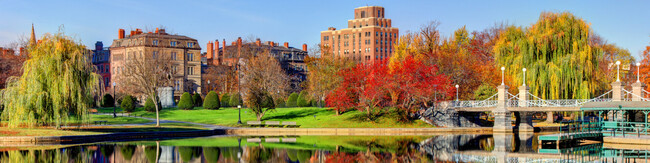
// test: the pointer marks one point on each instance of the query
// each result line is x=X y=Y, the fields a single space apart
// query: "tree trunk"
x=155 y=99
x=368 y=112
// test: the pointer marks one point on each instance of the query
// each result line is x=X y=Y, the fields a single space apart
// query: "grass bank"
x=307 y=117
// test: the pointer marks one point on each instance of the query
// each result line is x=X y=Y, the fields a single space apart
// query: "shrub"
x=108 y=101
x=235 y=100
x=225 y=100
x=292 y=100
x=196 y=98
x=303 y=100
x=211 y=101
x=128 y=104
x=186 y=102
x=280 y=103
x=149 y=105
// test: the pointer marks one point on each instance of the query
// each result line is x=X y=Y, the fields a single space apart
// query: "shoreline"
x=131 y=136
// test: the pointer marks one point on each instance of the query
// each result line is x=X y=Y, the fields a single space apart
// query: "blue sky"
x=625 y=23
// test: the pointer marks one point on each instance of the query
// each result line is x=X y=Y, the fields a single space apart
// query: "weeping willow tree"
x=557 y=53
x=57 y=85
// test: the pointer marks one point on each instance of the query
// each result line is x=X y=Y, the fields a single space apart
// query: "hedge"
x=186 y=102
x=211 y=101
x=128 y=104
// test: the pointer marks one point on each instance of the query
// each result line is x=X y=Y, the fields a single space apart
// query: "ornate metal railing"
x=489 y=102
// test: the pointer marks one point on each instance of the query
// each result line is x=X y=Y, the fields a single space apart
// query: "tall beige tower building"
x=369 y=36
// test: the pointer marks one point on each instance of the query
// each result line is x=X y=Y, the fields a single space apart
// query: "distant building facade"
x=369 y=36
x=292 y=60
x=185 y=54
x=101 y=59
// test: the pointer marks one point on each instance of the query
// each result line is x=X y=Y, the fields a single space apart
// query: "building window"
x=172 y=43
x=190 y=57
x=173 y=55
x=190 y=70
x=155 y=54
x=155 y=42
x=190 y=44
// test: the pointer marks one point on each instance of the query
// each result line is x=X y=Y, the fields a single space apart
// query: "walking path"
x=207 y=126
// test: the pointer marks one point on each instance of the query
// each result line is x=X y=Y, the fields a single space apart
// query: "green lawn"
x=310 y=117
x=117 y=120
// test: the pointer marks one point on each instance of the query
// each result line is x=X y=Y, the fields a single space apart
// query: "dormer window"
x=154 y=42
x=172 y=43
x=190 y=44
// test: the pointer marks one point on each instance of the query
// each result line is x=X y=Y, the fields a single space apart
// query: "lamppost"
x=456 y=92
x=502 y=75
x=435 y=93
x=114 y=100
x=239 y=108
x=638 y=73
x=524 y=69
x=618 y=71
x=208 y=87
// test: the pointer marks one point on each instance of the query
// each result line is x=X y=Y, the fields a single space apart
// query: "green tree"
x=128 y=104
x=303 y=100
x=225 y=100
x=211 y=101
x=149 y=105
x=57 y=82
x=235 y=100
x=292 y=101
x=196 y=98
x=557 y=53
x=108 y=100
x=484 y=91
x=259 y=102
x=186 y=102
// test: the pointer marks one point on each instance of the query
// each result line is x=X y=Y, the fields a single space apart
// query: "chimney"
x=120 y=34
x=272 y=44
x=138 y=31
x=239 y=42
x=215 y=60
x=258 y=42
x=286 y=44
x=162 y=31
x=304 y=47
x=157 y=31
x=132 y=33
x=209 y=55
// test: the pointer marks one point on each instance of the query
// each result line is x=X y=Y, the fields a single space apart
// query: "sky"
x=625 y=23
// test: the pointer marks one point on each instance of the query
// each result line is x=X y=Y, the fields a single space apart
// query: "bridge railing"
x=474 y=104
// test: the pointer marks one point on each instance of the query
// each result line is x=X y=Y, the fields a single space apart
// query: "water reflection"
x=445 y=148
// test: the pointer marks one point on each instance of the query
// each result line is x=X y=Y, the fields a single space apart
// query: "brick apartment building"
x=185 y=54
x=292 y=60
x=369 y=36
x=101 y=59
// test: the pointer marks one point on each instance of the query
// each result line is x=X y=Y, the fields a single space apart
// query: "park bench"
x=92 y=111
x=255 y=123
x=100 y=122
x=272 y=123
x=290 y=124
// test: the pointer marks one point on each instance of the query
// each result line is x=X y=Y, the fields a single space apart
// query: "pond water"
x=443 y=148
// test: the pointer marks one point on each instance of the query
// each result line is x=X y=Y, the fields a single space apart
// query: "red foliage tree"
x=408 y=85
x=413 y=84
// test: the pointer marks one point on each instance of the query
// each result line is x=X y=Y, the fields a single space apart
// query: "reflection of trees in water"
x=71 y=154
x=189 y=153
x=150 y=153
x=211 y=154
x=127 y=151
